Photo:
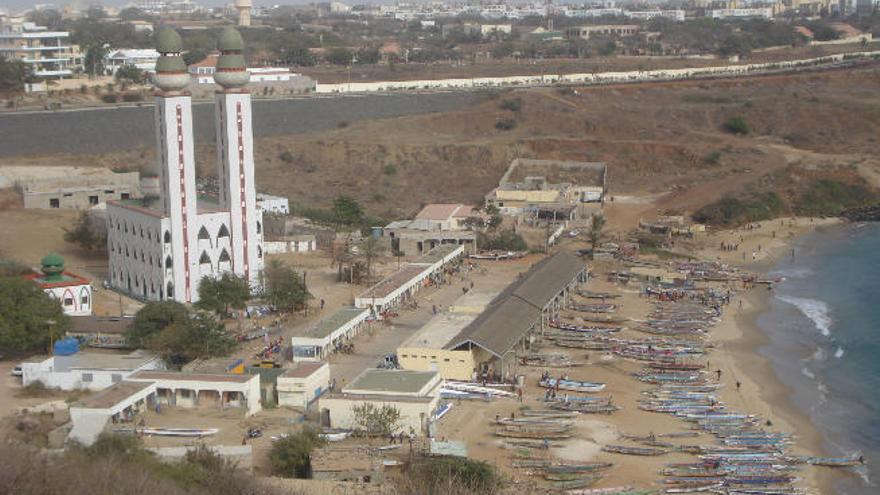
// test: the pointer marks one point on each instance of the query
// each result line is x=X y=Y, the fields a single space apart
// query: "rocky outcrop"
x=863 y=214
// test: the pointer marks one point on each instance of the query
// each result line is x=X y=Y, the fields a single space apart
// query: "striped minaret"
x=235 y=156
x=177 y=171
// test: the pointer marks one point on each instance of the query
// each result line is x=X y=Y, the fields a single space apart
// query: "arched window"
x=259 y=251
x=125 y=226
x=142 y=232
x=167 y=237
x=259 y=227
x=224 y=232
x=143 y=257
x=204 y=259
x=126 y=252
x=203 y=234
x=224 y=256
x=169 y=291
x=168 y=263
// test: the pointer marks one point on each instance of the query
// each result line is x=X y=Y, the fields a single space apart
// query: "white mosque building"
x=163 y=252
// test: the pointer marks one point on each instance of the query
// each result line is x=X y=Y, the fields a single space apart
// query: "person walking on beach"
x=718 y=372
x=738 y=384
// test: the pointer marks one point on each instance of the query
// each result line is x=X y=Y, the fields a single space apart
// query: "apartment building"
x=49 y=53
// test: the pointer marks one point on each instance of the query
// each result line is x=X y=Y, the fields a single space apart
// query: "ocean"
x=823 y=326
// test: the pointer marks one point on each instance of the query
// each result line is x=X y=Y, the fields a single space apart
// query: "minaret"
x=244 y=12
x=235 y=156
x=177 y=171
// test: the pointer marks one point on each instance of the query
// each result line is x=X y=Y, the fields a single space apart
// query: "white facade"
x=676 y=15
x=291 y=245
x=48 y=53
x=486 y=29
x=164 y=253
x=76 y=300
x=143 y=59
x=204 y=390
x=301 y=385
x=273 y=204
x=87 y=371
x=766 y=13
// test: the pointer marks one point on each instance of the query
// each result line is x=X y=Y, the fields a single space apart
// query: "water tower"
x=244 y=11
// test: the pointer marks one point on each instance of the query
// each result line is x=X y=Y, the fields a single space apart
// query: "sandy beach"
x=737 y=339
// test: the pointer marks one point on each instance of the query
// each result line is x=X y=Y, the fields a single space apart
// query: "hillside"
x=657 y=138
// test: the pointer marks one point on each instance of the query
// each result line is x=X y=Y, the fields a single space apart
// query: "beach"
x=737 y=354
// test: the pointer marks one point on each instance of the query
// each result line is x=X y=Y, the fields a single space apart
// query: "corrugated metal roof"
x=511 y=315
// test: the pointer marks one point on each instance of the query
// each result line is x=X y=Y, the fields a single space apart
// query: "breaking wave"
x=817 y=311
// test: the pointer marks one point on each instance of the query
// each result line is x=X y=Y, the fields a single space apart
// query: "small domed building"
x=71 y=290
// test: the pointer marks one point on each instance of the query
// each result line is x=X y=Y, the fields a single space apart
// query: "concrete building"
x=645 y=15
x=762 y=13
x=329 y=334
x=402 y=285
x=303 y=243
x=519 y=315
x=118 y=403
x=79 y=191
x=107 y=332
x=490 y=29
x=273 y=204
x=72 y=291
x=48 y=53
x=444 y=216
x=204 y=390
x=549 y=188
x=164 y=253
x=143 y=59
x=416 y=237
x=87 y=371
x=301 y=385
x=244 y=12
x=416 y=394
x=587 y=32
x=425 y=350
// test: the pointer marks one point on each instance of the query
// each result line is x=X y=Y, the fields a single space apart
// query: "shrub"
x=342 y=124
x=511 y=105
x=389 y=169
x=712 y=158
x=736 y=125
x=505 y=240
x=286 y=156
x=451 y=476
x=831 y=198
x=289 y=456
x=131 y=97
x=505 y=124
x=730 y=212
x=110 y=98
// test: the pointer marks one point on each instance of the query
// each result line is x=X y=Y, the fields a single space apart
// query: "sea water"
x=823 y=326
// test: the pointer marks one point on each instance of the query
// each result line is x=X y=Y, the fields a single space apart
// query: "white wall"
x=299 y=392
x=78 y=379
x=81 y=296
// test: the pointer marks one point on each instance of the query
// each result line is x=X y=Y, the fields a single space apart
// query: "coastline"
x=762 y=391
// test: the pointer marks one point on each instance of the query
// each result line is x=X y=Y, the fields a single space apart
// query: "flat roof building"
x=85 y=370
x=301 y=385
x=329 y=334
x=415 y=394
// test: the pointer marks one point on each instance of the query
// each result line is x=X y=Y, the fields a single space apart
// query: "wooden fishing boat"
x=622 y=449
x=573 y=385
x=835 y=461
x=578 y=468
x=179 y=432
x=549 y=435
x=585 y=408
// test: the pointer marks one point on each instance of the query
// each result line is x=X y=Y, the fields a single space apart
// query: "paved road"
x=99 y=130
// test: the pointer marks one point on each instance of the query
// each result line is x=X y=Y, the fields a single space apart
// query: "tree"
x=296 y=55
x=347 y=211
x=28 y=316
x=86 y=234
x=504 y=240
x=290 y=456
x=154 y=317
x=595 y=233
x=13 y=75
x=284 y=288
x=198 y=336
x=130 y=73
x=371 y=249
x=368 y=56
x=224 y=292
x=339 y=56
x=376 y=420
x=194 y=56
x=93 y=62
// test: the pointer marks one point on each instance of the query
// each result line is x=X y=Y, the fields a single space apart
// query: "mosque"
x=164 y=251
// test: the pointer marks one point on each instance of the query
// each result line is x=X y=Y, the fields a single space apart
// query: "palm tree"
x=595 y=233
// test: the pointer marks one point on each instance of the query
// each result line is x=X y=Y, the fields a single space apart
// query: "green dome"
x=168 y=41
x=53 y=266
x=52 y=260
x=229 y=62
x=230 y=40
x=170 y=64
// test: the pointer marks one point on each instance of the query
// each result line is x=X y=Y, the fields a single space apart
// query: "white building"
x=144 y=60
x=487 y=29
x=416 y=394
x=328 y=334
x=273 y=204
x=72 y=291
x=301 y=385
x=765 y=13
x=444 y=216
x=87 y=370
x=198 y=390
x=164 y=252
x=676 y=15
x=48 y=53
